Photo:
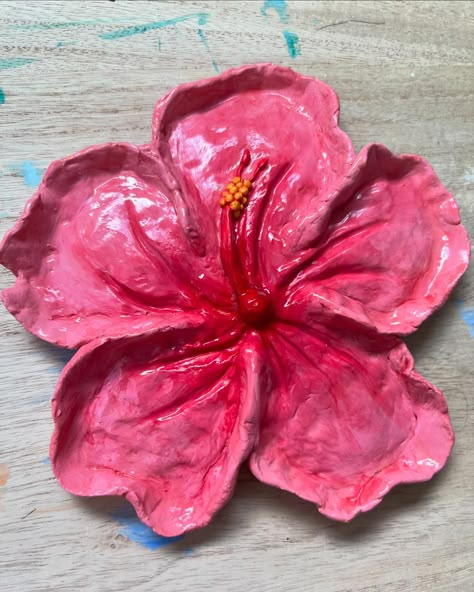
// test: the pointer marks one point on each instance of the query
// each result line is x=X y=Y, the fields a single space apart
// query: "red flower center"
x=255 y=308
x=254 y=304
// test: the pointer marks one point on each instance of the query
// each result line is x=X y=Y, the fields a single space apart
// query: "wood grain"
x=404 y=73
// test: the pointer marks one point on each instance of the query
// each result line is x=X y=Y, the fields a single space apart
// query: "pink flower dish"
x=237 y=289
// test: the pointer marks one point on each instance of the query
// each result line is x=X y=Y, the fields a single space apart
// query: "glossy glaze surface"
x=205 y=339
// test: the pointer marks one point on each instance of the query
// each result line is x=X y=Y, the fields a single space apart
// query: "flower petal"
x=392 y=249
x=162 y=422
x=99 y=251
x=202 y=128
x=347 y=418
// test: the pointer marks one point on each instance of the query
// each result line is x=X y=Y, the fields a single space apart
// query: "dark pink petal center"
x=254 y=303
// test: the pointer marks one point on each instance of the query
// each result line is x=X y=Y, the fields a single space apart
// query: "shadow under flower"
x=232 y=521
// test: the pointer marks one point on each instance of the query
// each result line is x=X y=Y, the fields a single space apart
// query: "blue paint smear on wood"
x=55 y=369
x=467 y=315
x=31 y=175
x=279 y=6
x=46 y=460
x=140 y=533
x=41 y=399
x=15 y=63
x=292 y=44
x=140 y=29
x=4 y=215
x=2 y=96
x=469 y=175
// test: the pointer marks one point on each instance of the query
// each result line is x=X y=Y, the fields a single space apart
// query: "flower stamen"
x=237 y=192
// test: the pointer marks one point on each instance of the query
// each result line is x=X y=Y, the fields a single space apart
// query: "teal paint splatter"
x=291 y=39
x=140 y=533
x=64 y=25
x=203 y=39
x=15 y=63
x=4 y=215
x=59 y=44
x=31 y=175
x=201 y=17
x=140 y=29
x=292 y=44
x=2 y=97
x=279 y=6
x=467 y=315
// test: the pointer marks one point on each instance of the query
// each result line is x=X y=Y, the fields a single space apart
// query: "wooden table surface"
x=79 y=73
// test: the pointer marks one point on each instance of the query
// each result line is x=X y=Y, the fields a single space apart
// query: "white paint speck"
x=469 y=175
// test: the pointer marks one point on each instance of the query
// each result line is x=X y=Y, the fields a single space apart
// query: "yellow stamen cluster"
x=236 y=195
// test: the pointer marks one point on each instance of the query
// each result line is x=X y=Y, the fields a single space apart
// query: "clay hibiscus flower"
x=235 y=288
